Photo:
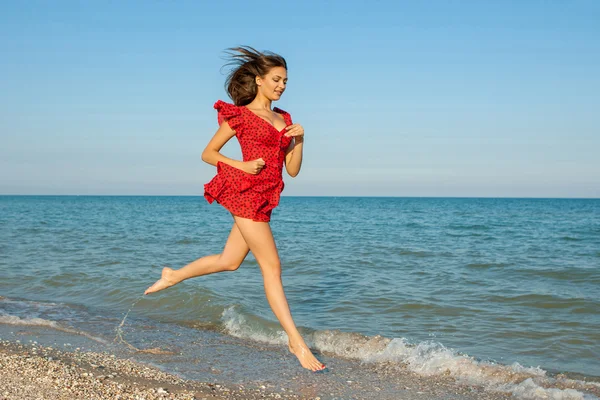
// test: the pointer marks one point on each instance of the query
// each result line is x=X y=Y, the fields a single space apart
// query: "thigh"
x=259 y=238
x=236 y=249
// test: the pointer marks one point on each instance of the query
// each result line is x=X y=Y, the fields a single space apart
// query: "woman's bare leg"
x=234 y=253
x=260 y=240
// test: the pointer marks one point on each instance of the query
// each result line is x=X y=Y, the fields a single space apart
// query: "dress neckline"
x=277 y=110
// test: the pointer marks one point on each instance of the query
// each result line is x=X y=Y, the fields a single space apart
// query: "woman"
x=250 y=189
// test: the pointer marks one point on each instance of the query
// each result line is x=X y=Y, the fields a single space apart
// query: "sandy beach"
x=38 y=372
x=32 y=371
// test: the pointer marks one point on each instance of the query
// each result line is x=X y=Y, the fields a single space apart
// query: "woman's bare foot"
x=305 y=356
x=165 y=281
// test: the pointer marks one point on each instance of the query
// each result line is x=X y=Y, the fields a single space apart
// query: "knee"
x=232 y=266
x=272 y=271
x=228 y=265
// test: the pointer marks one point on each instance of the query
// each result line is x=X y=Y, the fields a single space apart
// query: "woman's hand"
x=295 y=131
x=253 y=167
x=293 y=154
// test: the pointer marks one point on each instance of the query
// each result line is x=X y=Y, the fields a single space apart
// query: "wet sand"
x=33 y=371
x=37 y=372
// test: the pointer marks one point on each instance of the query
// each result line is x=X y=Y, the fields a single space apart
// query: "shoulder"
x=223 y=106
x=286 y=115
x=280 y=111
x=228 y=112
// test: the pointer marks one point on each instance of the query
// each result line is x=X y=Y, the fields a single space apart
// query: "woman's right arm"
x=211 y=153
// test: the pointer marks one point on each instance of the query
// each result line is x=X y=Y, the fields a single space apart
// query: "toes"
x=307 y=359
x=314 y=366
x=319 y=366
x=154 y=287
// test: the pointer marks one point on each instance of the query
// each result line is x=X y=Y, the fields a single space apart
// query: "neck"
x=261 y=102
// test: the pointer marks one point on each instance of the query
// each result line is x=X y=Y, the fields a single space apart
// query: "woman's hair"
x=248 y=63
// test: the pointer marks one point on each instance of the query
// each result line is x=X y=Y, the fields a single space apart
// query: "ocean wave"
x=242 y=326
x=426 y=358
x=416 y=253
x=15 y=320
x=487 y=265
x=572 y=274
x=478 y=227
x=571 y=239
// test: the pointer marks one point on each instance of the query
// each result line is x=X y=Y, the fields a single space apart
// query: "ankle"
x=297 y=342
x=173 y=276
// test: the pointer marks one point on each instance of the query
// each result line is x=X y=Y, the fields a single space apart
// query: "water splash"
x=119 y=330
x=120 y=339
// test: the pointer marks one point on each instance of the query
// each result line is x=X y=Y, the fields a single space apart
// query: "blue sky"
x=398 y=98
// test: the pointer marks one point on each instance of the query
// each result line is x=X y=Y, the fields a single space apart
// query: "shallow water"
x=423 y=282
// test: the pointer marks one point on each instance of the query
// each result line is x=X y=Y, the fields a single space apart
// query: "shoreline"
x=34 y=371
x=40 y=372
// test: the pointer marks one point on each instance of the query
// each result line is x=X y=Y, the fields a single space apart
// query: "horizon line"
x=321 y=196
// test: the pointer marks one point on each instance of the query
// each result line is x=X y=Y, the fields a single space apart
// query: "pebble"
x=65 y=375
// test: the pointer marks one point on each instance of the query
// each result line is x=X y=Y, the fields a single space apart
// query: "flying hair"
x=246 y=64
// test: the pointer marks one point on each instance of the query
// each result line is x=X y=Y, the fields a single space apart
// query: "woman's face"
x=273 y=84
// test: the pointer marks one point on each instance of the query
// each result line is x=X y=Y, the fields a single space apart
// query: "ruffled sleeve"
x=230 y=113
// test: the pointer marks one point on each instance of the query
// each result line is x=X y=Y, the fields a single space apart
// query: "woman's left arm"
x=293 y=154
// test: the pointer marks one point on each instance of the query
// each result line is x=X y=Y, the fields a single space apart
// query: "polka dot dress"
x=243 y=194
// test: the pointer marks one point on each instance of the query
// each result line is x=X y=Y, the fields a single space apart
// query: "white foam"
x=431 y=358
x=238 y=325
x=28 y=302
x=351 y=345
x=528 y=389
x=15 y=320
x=427 y=358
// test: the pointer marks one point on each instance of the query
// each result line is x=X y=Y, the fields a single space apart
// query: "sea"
x=502 y=293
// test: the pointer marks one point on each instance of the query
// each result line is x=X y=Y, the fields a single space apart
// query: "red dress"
x=243 y=194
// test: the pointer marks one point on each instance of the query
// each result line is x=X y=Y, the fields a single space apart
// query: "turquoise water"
x=498 y=281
